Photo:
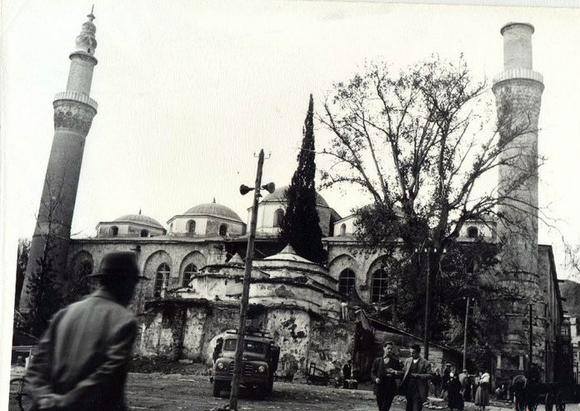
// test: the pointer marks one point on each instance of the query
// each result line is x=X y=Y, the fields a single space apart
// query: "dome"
x=279 y=196
x=215 y=210
x=139 y=218
x=288 y=254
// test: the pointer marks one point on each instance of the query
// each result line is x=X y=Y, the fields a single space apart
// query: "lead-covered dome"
x=130 y=225
x=279 y=196
x=214 y=210
x=210 y=219
x=139 y=218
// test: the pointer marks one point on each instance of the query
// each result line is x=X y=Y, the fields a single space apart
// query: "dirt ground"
x=191 y=392
x=156 y=391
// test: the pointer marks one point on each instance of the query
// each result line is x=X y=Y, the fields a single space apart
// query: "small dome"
x=288 y=254
x=139 y=218
x=215 y=210
x=279 y=195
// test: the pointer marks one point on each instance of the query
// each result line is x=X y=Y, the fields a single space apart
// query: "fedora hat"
x=119 y=264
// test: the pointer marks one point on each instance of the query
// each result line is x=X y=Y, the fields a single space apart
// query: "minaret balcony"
x=76 y=96
x=519 y=73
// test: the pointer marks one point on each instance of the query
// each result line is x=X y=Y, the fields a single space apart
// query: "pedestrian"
x=445 y=380
x=454 y=393
x=464 y=381
x=82 y=359
x=482 y=393
x=559 y=399
x=550 y=399
x=415 y=383
x=346 y=373
x=518 y=388
x=437 y=382
x=384 y=373
x=217 y=350
x=468 y=390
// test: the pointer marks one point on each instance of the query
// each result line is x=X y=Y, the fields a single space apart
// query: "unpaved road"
x=193 y=392
x=186 y=392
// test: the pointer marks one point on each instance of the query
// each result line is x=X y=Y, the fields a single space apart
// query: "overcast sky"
x=188 y=91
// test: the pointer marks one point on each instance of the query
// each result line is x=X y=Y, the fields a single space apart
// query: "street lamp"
x=247 y=277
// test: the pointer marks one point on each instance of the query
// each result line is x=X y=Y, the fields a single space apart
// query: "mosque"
x=195 y=261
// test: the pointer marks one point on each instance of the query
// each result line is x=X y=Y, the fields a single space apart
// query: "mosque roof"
x=139 y=218
x=279 y=196
x=213 y=209
x=288 y=254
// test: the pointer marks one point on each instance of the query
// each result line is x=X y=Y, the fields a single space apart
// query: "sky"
x=189 y=91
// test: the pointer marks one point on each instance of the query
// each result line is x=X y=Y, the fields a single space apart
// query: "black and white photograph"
x=289 y=205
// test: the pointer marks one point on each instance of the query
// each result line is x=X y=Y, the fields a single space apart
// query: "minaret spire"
x=74 y=110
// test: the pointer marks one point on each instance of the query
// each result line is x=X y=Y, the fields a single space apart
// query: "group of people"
x=413 y=378
x=527 y=392
x=391 y=377
x=463 y=387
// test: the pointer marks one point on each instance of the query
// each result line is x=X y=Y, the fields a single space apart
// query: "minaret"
x=518 y=92
x=73 y=115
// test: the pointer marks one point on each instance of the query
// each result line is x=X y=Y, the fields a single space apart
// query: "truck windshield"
x=250 y=346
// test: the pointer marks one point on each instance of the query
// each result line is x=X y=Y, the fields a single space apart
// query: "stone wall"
x=331 y=344
x=291 y=330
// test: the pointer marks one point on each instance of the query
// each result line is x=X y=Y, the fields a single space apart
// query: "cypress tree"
x=301 y=228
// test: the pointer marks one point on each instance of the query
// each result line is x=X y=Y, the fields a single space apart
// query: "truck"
x=259 y=362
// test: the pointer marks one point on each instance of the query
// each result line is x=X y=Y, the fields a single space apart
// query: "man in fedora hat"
x=83 y=356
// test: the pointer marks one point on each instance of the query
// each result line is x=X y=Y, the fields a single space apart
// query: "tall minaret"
x=73 y=115
x=518 y=92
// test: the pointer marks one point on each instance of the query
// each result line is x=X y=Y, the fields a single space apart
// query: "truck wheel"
x=217 y=388
x=261 y=392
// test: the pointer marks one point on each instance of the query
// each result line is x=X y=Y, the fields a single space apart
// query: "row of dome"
x=212 y=219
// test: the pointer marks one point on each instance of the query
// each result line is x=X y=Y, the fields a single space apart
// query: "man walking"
x=384 y=373
x=82 y=359
x=417 y=372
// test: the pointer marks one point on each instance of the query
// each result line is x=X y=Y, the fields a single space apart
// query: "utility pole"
x=247 y=278
x=465 y=334
x=531 y=334
x=427 y=304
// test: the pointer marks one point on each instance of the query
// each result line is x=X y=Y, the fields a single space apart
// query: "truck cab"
x=259 y=362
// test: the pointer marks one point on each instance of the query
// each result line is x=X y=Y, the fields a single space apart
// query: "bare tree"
x=573 y=260
x=44 y=283
x=423 y=146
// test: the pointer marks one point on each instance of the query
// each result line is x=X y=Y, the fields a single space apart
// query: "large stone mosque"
x=195 y=261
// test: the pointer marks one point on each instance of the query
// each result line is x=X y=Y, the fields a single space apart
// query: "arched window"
x=223 y=229
x=189 y=271
x=379 y=286
x=144 y=233
x=472 y=232
x=160 y=278
x=346 y=282
x=191 y=227
x=342 y=230
x=278 y=217
x=114 y=230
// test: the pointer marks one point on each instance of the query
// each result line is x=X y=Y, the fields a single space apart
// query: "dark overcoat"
x=84 y=354
x=421 y=376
